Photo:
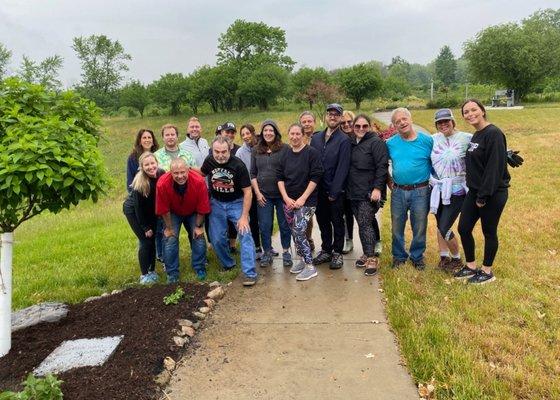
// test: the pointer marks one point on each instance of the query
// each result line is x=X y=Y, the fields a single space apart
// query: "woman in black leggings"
x=488 y=181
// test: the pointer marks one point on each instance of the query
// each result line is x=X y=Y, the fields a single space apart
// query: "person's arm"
x=300 y=202
x=131 y=170
x=315 y=175
x=381 y=160
x=287 y=199
x=243 y=222
x=198 y=230
x=168 y=230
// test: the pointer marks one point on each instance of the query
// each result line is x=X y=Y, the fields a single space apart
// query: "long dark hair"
x=478 y=103
x=262 y=145
x=137 y=148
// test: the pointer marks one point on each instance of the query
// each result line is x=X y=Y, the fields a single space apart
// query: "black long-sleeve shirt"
x=296 y=170
x=144 y=208
x=486 y=162
x=369 y=165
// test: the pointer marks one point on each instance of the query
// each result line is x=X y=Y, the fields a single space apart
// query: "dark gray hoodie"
x=265 y=167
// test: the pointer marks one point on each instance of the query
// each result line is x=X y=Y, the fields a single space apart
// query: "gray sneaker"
x=308 y=272
x=348 y=246
x=266 y=260
x=337 y=261
x=297 y=268
x=287 y=259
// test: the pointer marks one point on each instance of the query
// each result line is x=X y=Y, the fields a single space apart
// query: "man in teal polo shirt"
x=409 y=152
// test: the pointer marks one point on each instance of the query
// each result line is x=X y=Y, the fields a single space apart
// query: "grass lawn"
x=500 y=341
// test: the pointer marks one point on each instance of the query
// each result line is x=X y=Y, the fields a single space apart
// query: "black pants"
x=254 y=223
x=447 y=214
x=329 y=216
x=146 y=246
x=364 y=211
x=489 y=217
x=349 y=218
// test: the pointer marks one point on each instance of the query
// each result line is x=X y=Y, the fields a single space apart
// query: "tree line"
x=253 y=70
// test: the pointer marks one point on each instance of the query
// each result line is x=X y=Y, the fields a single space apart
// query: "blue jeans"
x=266 y=219
x=222 y=212
x=171 y=248
x=417 y=203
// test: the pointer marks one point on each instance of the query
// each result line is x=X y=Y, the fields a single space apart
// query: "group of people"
x=231 y=193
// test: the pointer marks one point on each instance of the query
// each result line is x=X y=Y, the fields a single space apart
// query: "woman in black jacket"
x=366 y=187
x=488 y=181
x=139 y=209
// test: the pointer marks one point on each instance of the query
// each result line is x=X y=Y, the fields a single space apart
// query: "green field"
x=500 y=341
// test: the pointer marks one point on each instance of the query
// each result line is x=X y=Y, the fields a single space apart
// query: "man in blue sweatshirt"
x=334 y=147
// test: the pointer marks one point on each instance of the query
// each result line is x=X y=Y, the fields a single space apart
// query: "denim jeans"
x=171 y=248
x=222 y=212
x=159 y=238
x=266 y=219
x=417 y=203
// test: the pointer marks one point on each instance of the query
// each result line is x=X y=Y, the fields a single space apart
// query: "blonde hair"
x=141 y=181
x=350 y=114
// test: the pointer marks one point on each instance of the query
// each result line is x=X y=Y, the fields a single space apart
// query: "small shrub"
x=174 y=297
x=47 y=388
x=449 y=102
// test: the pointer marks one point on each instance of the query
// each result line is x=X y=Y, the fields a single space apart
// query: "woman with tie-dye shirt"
x=448 y=185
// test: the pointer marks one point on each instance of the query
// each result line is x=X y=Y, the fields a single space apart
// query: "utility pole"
x=432 y=89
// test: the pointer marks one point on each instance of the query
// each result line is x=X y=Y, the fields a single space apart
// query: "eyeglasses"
x=365 y=126
x=333 y=114
x=346 y=123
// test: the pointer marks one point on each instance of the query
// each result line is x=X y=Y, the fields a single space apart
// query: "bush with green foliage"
x=47 y=388
x=49 y=158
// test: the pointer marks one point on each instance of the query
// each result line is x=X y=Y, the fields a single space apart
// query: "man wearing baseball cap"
x=334 y=147
x=228 y=131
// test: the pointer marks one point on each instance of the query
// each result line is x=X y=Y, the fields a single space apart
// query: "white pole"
x=7 y=241
x=432 y=90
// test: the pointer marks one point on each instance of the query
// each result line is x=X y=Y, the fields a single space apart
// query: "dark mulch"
x=138 y=313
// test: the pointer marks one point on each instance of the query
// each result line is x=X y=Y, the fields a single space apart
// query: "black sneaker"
x=248 y=281
x=465 y=273
x=481 y=277
x=337 y=261
x=396 y=264
x=419 y=265
x=361 y=262
x=322 y=257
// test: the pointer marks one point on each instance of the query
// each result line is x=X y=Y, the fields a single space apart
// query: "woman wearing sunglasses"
x=366 y=187
x=346 y=125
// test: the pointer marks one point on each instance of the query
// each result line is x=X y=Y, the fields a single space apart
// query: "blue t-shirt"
x=410 y=159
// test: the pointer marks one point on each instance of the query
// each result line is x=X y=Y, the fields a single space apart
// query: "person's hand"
x=375 y=195
x=289 y=202
x=198 y=232
x=480 y=204
x=149 y=233
x=243 y=225
x=299 y=203
x=514 y=159
x=332 y=198
x=167 y=232
x=261 y=199
x=391 y=185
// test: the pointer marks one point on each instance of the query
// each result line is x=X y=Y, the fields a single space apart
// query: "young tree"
x=49 y=161
x=170 y=90
x=263 y=85
x=103 y=63
x=446 y=66
x=303 y=79
x=360 y=81
x=320 y=94
x=5 y=56
x=43 y=73
x=135 y=95
x=517 y=56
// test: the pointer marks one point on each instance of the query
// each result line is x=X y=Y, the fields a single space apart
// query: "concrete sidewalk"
x=326 y=338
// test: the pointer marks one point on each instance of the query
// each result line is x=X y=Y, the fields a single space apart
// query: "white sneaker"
x=348 y=246
x=308 y=272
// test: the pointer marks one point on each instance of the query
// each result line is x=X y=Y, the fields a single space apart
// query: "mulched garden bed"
x=137 y=313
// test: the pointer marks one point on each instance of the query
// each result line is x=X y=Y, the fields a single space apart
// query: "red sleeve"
x=162 y=196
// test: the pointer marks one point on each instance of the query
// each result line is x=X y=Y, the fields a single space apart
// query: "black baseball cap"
x=229 y=126
x=336 y=107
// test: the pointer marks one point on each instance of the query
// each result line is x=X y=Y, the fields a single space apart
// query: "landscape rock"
x=188 y=330
x=43 y=312
x=199 y=315
x=105 y=294
x=216 y=293
x=169 y=363
x=116 y=291
x=92 y=298
x=196 y=325
x=163 y=378
x=179 y=341
x=214 y=284
x=184 y=322
x=210 y=303
x=204 y=310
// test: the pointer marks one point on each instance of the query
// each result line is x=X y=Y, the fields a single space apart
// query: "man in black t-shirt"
x=230 y=198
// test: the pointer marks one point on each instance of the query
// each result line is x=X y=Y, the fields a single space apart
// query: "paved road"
x=284 y=339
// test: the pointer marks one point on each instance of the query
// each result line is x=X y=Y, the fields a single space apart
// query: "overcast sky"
x=180 y=35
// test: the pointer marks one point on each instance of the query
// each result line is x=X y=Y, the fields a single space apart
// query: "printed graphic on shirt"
x=473 y=146
x=222 y=180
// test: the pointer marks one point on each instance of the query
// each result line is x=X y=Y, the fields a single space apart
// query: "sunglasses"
x=365 y=126
x=346 y=123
